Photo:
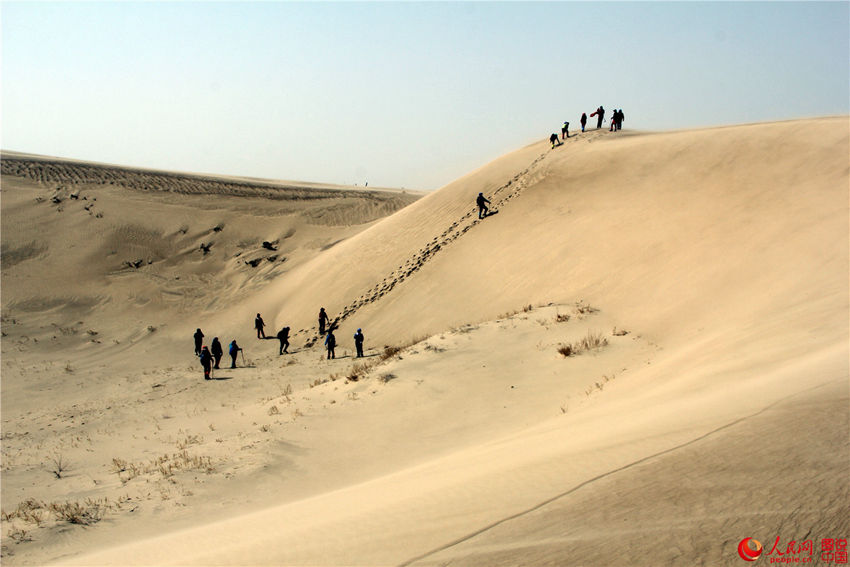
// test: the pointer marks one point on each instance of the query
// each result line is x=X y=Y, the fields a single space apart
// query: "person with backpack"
x=330 y=343
x=583 y=120
x=358 y=343
x=323 y=318
x=259 y=325
x=199 y=340
x=482 y=201
x=216 y=351
x=234 y=352
x=554 y=139
x=206 y=362
x=620 y=118
x=565 y=130
x=283 y=337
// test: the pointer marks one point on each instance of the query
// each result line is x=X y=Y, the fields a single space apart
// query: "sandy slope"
x=722 y=413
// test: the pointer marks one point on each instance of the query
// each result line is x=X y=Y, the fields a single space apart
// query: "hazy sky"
x=400 y=94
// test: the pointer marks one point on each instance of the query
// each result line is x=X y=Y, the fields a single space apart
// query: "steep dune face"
x=730 y=227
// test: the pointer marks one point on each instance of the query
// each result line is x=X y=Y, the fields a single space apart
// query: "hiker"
x=565 y=130
x=330 y=343
x=583 y=120
x=613 y=121
x=234 y=352
x=259 y=325
x=358 y=343
x=554 y=139
x=206 y=362
x=482 y=202
x=600 y=114
x=216 y=351
x=199 y=340
x=620 y=118
x=323 y=318
x=283 y=337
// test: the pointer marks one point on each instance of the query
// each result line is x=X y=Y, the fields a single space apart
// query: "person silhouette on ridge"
x=565 y=130
x=583 y=120
x=234 y=352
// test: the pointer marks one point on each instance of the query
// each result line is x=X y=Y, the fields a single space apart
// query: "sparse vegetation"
x=60 y=465
x=591 y=341
x=386 y=377
x=166 y=465
x=619 y=332
x=562 y=317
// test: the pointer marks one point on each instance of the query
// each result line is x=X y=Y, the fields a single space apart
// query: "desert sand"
x=699 y=279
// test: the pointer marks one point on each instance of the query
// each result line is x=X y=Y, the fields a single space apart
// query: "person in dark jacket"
x=283 y=337
x=565 y=130
x=206 y=362
x=482 y=201
x=358 y=343
x=259 y=325
x=583 y=120
x=600 y=115
x=234 y=352
x=199 y=340
x=216 y=351
x=323 y=318
x=330 y=343
x=554 y=139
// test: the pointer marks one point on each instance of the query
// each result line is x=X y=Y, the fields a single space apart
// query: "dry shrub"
x=386 y=377
x=389 y=352
x=562 y=318
x=591 y=341
x=582 y=309
x=85 y=514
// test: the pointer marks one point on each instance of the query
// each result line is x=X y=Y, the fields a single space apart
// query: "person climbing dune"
x=482 y=202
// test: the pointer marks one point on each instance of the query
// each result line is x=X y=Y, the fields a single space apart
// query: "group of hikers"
x=617 y=118
x=211 y=357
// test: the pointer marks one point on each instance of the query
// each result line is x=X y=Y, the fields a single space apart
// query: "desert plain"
x=641 y=358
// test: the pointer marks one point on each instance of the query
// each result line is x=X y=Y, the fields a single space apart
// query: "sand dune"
x=712 y=266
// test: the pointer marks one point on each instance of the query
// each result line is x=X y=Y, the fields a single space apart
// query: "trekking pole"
x=243 y=357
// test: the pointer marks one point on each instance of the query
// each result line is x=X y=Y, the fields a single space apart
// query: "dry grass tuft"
x=591 y=341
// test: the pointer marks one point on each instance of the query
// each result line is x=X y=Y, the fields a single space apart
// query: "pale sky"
x=398 y=94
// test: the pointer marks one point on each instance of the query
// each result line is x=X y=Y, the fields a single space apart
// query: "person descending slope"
x=206 y=362
x=482 y=202
x=199 y=340
x=217 y=351
x=358 y=343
